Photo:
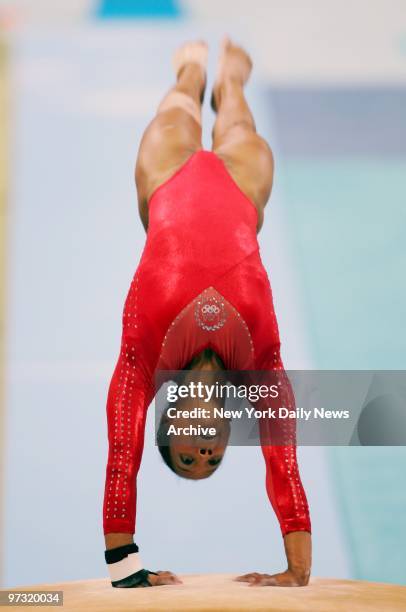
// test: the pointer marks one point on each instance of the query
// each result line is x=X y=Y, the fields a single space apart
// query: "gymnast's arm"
x=130 y=393
x=288 y=500
x=286 y=493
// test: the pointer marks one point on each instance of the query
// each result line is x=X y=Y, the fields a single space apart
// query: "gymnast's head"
x=195 y=456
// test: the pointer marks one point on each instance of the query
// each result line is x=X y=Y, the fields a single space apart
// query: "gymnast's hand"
x=161 y=578
x=298 y=548
x=287 y=579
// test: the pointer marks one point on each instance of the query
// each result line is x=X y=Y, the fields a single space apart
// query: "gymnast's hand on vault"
x=161 y=578
x=288 y=578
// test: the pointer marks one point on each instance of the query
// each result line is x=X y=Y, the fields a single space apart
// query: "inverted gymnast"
x=200 y=299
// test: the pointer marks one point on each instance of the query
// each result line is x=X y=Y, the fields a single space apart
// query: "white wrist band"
x=127 y=566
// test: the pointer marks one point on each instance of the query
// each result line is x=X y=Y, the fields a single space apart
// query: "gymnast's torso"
x=200 y=281
x=200 y=284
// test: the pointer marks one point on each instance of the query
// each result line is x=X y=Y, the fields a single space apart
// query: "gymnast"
x=200 y=300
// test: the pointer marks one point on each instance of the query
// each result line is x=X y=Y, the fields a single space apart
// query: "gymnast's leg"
x=246 y=154
x=175 y=132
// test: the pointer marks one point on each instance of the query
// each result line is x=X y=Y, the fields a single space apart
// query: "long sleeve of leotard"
x=130 y=393
x=278 y=441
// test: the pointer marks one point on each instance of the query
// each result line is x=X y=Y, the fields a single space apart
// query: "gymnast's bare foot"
x=195 y=52
x=234 y=64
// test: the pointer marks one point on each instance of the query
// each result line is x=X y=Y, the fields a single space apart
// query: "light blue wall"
x=347 y=216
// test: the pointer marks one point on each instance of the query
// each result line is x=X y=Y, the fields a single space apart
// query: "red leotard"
x=201 y=250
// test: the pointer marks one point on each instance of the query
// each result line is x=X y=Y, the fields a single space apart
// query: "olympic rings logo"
x=210 y=309
x=210 y=314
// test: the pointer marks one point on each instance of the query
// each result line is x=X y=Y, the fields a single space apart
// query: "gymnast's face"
x=198 y=456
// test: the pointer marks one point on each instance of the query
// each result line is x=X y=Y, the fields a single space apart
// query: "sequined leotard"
x=201 y=251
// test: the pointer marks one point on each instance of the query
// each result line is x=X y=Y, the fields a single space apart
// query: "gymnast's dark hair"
x=163 y=442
